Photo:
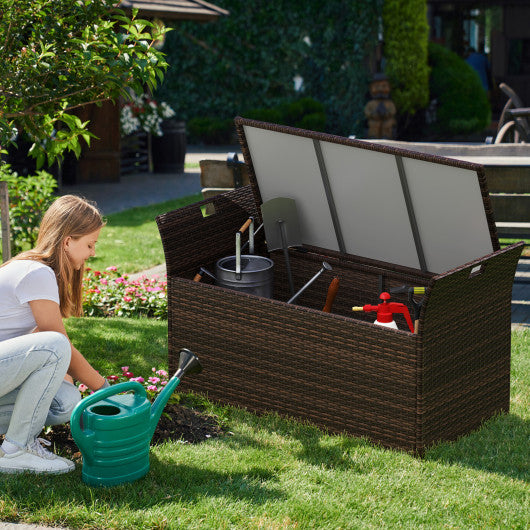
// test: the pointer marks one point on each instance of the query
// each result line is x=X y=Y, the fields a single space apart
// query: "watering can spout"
x=188 y=364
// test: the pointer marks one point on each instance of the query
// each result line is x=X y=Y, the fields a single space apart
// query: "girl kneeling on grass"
x=37 y=360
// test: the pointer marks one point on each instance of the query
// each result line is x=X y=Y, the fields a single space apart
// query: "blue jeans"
x=33 y=392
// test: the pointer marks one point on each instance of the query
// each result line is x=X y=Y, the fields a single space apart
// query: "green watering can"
x=114 y=431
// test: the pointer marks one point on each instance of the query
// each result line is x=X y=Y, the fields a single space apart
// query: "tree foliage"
x=57 y=55
x=248 y=60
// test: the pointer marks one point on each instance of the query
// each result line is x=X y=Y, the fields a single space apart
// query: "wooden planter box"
x=339 y=370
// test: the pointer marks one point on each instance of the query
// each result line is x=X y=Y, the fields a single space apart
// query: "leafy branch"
x=63 y=54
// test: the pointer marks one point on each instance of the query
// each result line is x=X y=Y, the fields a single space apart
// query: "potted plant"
x=166 y=137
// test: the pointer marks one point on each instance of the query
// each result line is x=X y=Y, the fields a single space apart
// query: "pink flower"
x=128 y=375
x=112 y=268
x=82 y=388
x=121 y=279
x=154 y=380
x=152 y=388
x=113 y=378
x=138 y=379
x=124 y=368
x=161 y=373
x=97 y=273
x=104 y=281
x=127 y=299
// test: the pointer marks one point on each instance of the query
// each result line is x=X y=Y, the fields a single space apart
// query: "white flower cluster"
x=128 y=121
x=166 y=110
x=144 y=113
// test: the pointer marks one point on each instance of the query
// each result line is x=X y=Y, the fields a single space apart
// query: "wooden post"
x=4 y=219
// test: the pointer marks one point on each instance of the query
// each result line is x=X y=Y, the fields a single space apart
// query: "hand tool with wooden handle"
x=332 y=292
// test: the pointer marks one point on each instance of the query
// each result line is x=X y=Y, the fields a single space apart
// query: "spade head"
x=281 y=223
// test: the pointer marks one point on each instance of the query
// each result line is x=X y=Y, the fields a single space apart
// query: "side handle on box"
x=487 y=282
x=191 y=240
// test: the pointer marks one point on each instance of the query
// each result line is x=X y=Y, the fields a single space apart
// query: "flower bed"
x=153 y=385
x=108 y=293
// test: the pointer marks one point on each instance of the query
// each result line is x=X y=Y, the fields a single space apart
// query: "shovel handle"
x=332 y=292
x=197 y=277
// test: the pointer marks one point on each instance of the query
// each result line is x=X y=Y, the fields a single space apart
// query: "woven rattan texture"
x=466 y=332
x=264 y=355
x=191 y=240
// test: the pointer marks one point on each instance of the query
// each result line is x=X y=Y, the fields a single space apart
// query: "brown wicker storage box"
x=339 y=370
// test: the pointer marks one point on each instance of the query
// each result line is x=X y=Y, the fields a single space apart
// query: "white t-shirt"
x=23 y=281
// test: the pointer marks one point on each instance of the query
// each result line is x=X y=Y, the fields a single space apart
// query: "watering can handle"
x=75 y=419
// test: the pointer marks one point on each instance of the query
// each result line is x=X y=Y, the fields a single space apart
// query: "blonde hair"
x=68 y=216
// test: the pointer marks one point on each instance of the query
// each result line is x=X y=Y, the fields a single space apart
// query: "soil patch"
x=176 y=423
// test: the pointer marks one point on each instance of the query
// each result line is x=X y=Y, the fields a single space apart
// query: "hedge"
x=248 y=60
x=462 y=103
x=405 y=36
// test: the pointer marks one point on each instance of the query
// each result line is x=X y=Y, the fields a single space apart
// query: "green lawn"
x=131 y=241
x=268 y=472
x=272 y=473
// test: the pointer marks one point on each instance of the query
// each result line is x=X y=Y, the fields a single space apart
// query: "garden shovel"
x=282 y=229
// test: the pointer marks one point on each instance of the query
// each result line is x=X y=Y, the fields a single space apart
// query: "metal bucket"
x=255 y=275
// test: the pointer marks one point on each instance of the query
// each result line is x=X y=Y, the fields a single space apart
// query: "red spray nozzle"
x=386 y=310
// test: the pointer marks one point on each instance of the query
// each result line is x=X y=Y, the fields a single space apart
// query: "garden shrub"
x=462 y=102
x=210 y=130
x=248 y=60
x=296 y=113
x=405 y=33
x=29 y=198
x=305 y=113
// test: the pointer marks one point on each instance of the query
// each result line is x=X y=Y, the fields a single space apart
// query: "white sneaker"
x=35 y=459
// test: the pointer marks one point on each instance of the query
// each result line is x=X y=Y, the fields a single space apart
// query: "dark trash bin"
x=169 y=150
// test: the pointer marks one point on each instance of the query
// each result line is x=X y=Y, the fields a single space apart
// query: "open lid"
x=412 y=209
